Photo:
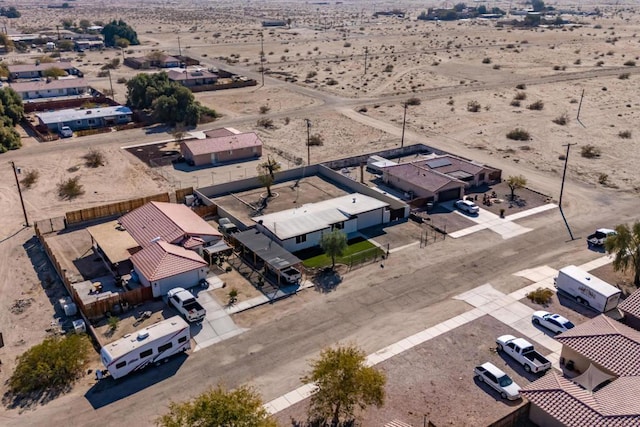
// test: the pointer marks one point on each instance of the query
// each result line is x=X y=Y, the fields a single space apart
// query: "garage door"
x=446 y=195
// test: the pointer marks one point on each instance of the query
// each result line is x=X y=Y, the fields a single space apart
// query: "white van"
x=587 y=289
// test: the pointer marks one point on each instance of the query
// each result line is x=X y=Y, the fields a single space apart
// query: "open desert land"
x=316 y=70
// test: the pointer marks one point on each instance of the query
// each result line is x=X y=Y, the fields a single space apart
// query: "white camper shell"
x=587 y=289
x=149 y=345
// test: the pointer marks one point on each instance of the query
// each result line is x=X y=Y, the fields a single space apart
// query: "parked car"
x=523 y=352
x=494 y=377
x=553 y=322
x=600 y=236
x=66 y=132
x=226 y=227
x=186 y=304
x=467 y=206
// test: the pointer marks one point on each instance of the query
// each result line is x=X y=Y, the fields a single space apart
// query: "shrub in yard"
x=519 y=134
x=541 y=295
x=316 y=140
x=94 y=158
x=113 y=322
x=70 y=188
x=265 y=123
x=414 y=101
x=625 y=134
x=53 y=364
x=473 y=106
x=589 y=151
x=30 y=178
x=537 y=106
x=520 y=96
x=562 y=119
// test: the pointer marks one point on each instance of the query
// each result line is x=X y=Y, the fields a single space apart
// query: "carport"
x=263 y=251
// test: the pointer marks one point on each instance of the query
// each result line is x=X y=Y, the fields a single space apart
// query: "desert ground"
x=446 y=65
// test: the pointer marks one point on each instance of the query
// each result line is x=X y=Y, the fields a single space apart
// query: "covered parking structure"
x=264 y=252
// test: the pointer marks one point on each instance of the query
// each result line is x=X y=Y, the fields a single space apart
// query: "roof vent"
x=156 y=239
x=353 y=200
x=142 y=335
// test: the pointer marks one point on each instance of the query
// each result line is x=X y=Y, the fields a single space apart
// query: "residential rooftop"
x=223 y=143
x=418 y=175
x=73 y=114
x=49 y=84
x=162 y=260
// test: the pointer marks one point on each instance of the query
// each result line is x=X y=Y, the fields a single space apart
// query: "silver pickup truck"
x=523 y=352
x=186 y=304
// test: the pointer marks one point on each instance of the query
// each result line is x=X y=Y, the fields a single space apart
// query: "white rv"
x=152 y=344
x=375 y=164
x=587 y=289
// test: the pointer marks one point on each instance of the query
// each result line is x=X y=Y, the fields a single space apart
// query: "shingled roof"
x=631 y=305
x=170 y=222
x=162 y=260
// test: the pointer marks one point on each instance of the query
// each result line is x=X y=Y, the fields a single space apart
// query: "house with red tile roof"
x=164 y=266
x=222 y=149
x=423 y=183
x=630 y=307
x=601 y=361
x=171 y=222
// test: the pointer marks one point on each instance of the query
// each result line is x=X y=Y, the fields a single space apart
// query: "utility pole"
x=262 y=56
x=24 y=211
x=308 y=141
x=404 y=121
x=179 y=48
x=366 y=53
x=579 y=108
x=564 y=174
x=113 y=95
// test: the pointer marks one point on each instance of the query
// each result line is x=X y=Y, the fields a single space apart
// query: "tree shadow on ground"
x=320 y=423
x=28 y=401
x=328 y=279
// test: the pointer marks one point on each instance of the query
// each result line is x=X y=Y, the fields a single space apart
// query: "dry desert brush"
x=30 y=179
x=625 y=134
x=590 y=152
x=536 y=106
x=541 y=295
x=519 y=134
x=562 y=119
x=94 y=158
x=473 y=106
x=70 y=188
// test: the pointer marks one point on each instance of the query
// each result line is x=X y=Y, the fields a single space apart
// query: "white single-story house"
x=302 y=227
x=164 y=266
x=51 y=88
x=222 y=149
x=85 y=118
x=34 y=71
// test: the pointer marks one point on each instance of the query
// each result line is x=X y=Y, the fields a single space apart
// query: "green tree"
x=122 y=43
x=119 y=29
x=241 y=407
x=537 y=5
x=344 y=383
x=65 y=45
x=625 y=244
x=515 y=183
x=67 y=23
x=54 y=72
x=6 y=42
x=11 y=106
x=267 y=173
x=9 y=138
x=84 y=24
x=334 y=244
x=55 y=363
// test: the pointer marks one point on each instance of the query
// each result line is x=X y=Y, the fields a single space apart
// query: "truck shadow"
x=111 y=390
x=518 y=368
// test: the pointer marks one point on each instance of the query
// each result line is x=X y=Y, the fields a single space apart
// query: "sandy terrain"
x=440 y=63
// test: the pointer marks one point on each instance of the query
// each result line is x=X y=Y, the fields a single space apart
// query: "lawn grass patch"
x=357 y=250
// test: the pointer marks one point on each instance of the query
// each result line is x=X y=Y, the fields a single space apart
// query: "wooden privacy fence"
x=118 y=208
x=98 y=308
x=204 y=211
x=182 y=193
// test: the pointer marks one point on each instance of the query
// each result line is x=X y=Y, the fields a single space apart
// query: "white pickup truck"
x=600 y=236
x=186 y=304
x=522 y=351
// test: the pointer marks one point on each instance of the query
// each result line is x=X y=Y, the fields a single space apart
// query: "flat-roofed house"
x=191 y=78
x=36 y=71
x=51 y=88
x=85 y=118
x=302 y=227
x=603 y=358
x=222 y=149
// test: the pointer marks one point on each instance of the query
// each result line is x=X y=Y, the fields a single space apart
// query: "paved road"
x=374 y=306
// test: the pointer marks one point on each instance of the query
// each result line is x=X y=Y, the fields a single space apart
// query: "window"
x=338 y=226
x=182 y=339
x=164 y=347
x=120 y=365
x=301 y=239
x=146 y=353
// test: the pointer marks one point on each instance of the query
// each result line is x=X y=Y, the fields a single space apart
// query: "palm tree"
x=625 y=244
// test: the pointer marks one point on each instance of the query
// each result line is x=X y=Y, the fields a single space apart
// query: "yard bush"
x=316 y=140
x=537 y=106
x=55 y=363
x=473 y=106
x=562 y=119
x=625 y=134
x=70 y=188
x=589 y=151
x=93 y=158
x=541 y=295
x=30 y=178
x=519 y=134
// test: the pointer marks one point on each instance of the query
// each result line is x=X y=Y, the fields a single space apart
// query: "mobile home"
x=150 y=345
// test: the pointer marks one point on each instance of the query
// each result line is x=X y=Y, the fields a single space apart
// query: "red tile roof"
x=606 y=342
x=631 y=305
x=420 y=176
x=169 y=221
x=616 y=404
x=223 y=143
x=162 y=260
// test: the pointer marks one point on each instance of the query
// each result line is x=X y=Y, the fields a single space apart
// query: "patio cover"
x=592 y=378
x=266 y=249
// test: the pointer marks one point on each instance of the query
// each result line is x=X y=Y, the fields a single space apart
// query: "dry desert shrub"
x=520 y=96
x=590 y=152
x=521 y=86
x=30 y=179
x=265 y=123
x=625 y=134
x=541 y=295
x=536 y=106
x=624 y=76
x=70 y=188
x=519 y=134
x=93 y=159
x=473 y=106
x=562 y=119
x=316 y=140
x=630 y=63
x=264 y=109
x=515 y=103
